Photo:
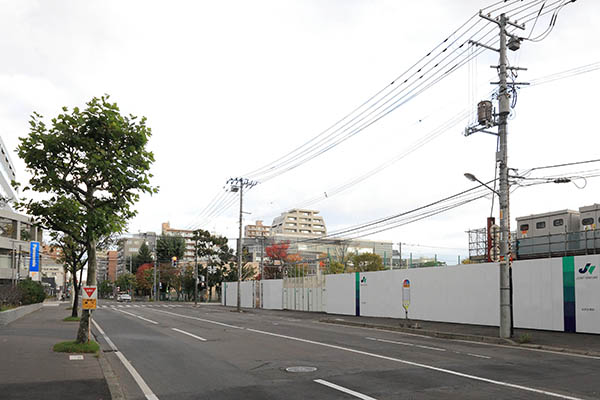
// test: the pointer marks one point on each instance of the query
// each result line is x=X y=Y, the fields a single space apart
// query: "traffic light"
x=174 y=261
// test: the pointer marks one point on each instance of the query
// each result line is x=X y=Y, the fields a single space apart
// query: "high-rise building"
x=299 y=222
x=187 y=235
x=257 y=230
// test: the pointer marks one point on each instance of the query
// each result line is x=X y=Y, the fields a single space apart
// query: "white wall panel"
x=340 y=297
x=537 y=294
x=272 y=295
x=587 y=294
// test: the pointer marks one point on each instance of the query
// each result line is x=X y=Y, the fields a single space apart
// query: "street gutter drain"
x=301 y=369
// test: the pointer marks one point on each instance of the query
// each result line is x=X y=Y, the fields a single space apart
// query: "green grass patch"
x=7 y=307
x=524 y=338
x=72 y=347
x=71 y=319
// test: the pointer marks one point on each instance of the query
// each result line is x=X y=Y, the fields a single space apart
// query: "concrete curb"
x=8 y=316
x=462 y=336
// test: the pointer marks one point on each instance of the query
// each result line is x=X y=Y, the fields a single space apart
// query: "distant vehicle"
x=123 y=297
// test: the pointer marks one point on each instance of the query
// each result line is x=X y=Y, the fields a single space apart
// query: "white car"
x=123 y=297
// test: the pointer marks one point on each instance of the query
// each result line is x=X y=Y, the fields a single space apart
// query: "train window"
x=558 y=222
x=587 y=221
x=540 y=225
x=525 y=227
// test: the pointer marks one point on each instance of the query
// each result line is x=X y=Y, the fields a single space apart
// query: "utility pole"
x=196 y=269
x=237 y=184
x=485 y=118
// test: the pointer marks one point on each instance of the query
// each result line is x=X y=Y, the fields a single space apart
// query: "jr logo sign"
x=588 y=268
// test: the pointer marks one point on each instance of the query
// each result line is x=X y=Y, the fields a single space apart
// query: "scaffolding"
x=478 y=244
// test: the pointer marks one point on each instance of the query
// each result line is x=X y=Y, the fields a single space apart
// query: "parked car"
x=123 y=297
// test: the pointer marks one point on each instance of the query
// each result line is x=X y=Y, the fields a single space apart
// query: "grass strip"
x=71 y=319
x=72 y=346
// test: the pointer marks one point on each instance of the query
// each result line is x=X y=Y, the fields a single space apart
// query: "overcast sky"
x=228 y=86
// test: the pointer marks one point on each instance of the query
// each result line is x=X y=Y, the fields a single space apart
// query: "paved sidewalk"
x=31 y=370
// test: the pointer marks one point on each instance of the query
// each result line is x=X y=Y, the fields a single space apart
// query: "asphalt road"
x=182 y=352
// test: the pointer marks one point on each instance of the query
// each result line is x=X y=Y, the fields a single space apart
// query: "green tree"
x=91 y=166
x=214 y=251
x=105 y=288
x=144 y=256
x=73 y=255
x=125 y=282
x=367 y=262
x=335 y=267
x=168 y=247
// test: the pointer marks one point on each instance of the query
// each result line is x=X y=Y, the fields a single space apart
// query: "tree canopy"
x=367 y=262
x=90 y=166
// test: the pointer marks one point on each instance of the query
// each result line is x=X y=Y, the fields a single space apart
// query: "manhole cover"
x=301 y=369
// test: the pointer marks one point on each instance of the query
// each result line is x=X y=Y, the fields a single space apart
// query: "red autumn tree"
x=144 y=277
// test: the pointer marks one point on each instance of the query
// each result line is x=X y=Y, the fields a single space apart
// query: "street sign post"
x=406 y=296
x=89 y=298
x=34 y=260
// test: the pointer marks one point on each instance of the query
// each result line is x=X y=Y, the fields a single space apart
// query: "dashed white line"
x=407 y=344
x=136 y=376
x=138 y=316
x=477 y=355
x=189 y=334
x=398 y=360
x=345 y=390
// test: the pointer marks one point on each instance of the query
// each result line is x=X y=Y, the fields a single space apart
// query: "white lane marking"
x=50 y=305
x=407 y=344
x=134 y=374
x=189 y=334
x=345 y=390
x=378 y=330
x=77 y=357
x=430 y=348
x=200 y=319
x=414 y=364
x=470 y=342
x=140 y=317
x=478 y=355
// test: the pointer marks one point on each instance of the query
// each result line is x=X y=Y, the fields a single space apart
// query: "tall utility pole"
x=196 y=270
x=502 y=160
x=237 y=184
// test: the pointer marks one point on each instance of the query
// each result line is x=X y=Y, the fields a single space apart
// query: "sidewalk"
x=31 y=370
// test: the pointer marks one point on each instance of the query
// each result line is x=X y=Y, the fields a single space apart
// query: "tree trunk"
x=75 y=295
x=84 y=323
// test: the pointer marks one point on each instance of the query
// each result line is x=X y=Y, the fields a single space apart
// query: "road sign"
x=406 y=294
x=34 y=257
x=89 y=298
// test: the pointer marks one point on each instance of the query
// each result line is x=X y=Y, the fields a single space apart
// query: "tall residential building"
x=186 y=234
x=113 y=257
x=127 y=249
x=299 y=222
x=257 y=230
x=16 y=230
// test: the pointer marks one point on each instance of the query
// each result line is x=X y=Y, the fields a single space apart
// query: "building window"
x=558 y=222
x=524 y=227
x=540 y=225
x=587 y=221
x=26 y=232
x=8 y=228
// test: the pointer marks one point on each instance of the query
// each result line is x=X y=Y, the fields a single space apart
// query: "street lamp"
x=506 y=303
x=472 y=178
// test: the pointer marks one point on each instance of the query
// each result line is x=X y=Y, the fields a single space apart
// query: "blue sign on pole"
x=34 y=257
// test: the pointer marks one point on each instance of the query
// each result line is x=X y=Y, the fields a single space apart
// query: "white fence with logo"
x=561 y=294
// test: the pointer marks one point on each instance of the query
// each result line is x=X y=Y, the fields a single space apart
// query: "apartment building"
x=299 y=222
x=257 y=230
x=186 y=234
